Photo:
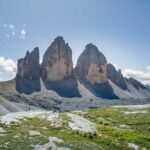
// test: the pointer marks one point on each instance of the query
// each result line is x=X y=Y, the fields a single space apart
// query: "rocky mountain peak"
x=92 y=73
x=57 y=61
x=59 y=39
x=28 y=75
x=93 y=52
x=91 y=65
x=89 y=48
x=28 y=67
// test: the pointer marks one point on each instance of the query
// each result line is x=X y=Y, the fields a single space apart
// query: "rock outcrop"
x=91 y=65
x=57 y=61
x=91 y=71
x=57 y=69
x=28 y=67
x=136 y=84
x=28 y=75
x=92 y=76
x=116 y=77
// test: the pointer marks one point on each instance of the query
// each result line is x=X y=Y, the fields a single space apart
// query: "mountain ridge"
x=92 y=74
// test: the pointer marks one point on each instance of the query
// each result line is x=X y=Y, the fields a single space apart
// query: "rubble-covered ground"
x=115 y=128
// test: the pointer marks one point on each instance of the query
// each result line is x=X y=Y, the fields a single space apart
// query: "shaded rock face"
x=116 y=77
x=57 y=69
x=65 y=88
x=102 y=90
x=148 y=86
x=28 y=75
x=136 y=84
x=28 y=67
x=57 y=61
x=91 y=71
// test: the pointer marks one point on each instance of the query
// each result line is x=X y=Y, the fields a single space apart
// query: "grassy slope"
x=109 y=135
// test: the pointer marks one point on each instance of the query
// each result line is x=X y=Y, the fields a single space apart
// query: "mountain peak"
x=92 y=72
x=57 y=61
x=59 y=39
x=28 y=75
x=91 y=46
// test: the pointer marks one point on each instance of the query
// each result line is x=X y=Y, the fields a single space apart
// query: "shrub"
x=106 y=123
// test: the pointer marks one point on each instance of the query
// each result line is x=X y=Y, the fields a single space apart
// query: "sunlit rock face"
x=91 y=71
x=91 y=65
x=28 y=75
x=57 y=69
x=96 y=74
x=57 y=61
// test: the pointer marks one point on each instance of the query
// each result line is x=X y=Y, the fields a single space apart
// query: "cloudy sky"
x=121 y=30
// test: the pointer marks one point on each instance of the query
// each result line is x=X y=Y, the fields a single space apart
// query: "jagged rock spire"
x=57 y=61
x=29 y=67
x=28 y=75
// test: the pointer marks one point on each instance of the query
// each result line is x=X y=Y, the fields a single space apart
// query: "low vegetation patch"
x=113 y=130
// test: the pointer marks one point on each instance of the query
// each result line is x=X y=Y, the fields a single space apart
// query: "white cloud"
x=148 y=68
x=142 y=76
x=8 y=68
x=23 y=34
x=117 y=67
x=139 y=75
x=10 y=30
x=8 y=65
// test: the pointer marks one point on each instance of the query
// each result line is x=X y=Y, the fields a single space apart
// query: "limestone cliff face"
x=28 y=75
x=136 y=84
x=116 y=77
x=96 y=74
x=91 y=65
x=91 y=71
x=57 y=61
x=57 y=69
x=28 y=67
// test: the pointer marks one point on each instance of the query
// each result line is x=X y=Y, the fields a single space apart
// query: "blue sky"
x=120 y=29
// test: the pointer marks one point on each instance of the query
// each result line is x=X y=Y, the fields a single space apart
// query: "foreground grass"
x=115 y=130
